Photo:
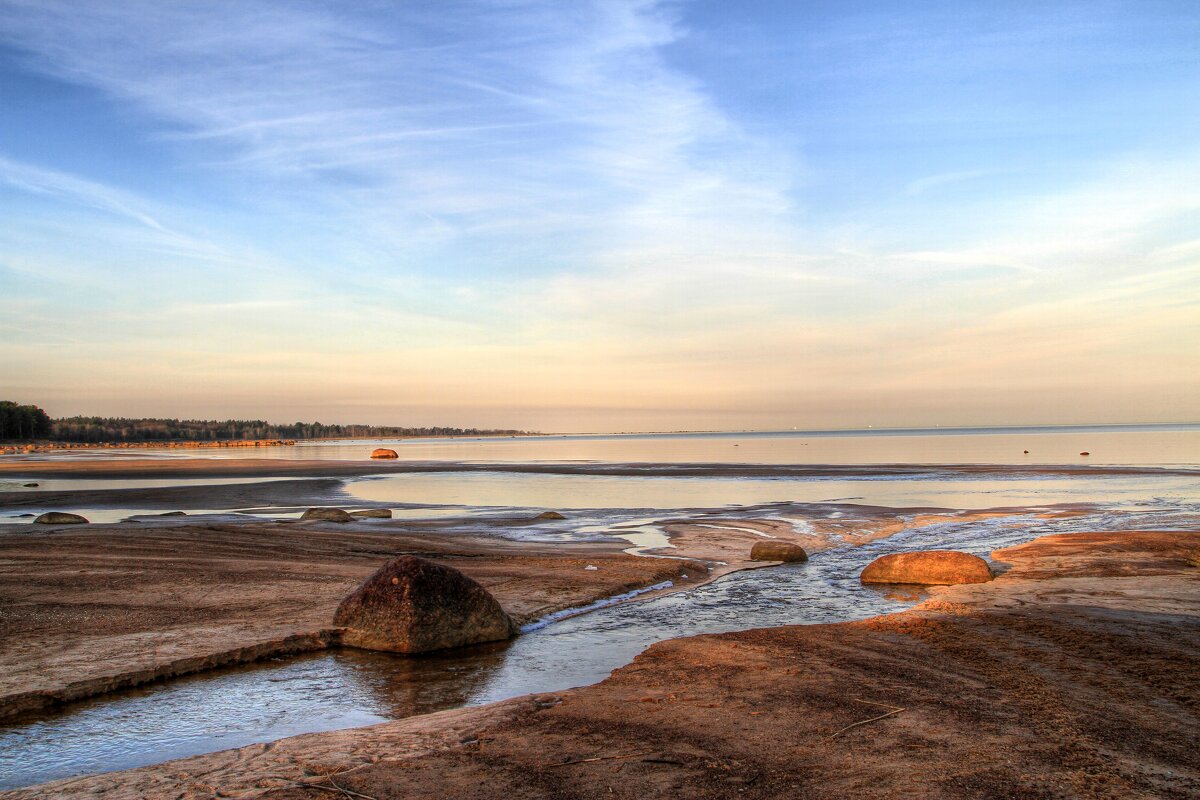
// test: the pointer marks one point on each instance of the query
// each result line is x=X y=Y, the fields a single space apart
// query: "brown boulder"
x=930 y=568
x=550 y=515
x=777 y=551
x=60 y=518
x=326 y=515
x=383 y=452
x=373 y=513
x=413 y=606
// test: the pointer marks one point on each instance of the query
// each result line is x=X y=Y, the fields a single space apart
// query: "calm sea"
x=1109 y=444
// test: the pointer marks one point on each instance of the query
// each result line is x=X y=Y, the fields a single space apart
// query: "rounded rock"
x=778 y=551
x=383 y=452
x=550 y=515
x=60 y=518
x=326 y=515
x=928 y=568
x=415 y=606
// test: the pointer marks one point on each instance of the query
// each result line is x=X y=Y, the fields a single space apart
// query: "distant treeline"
x=23 y=422
x=30 y=422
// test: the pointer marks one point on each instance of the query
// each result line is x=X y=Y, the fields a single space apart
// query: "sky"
x=602 y=216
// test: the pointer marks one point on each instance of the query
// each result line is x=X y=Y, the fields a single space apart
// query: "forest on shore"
x=28 y=422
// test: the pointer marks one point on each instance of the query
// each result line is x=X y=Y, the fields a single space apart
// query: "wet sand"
x=86 y=610
x=89 y=609
x=1071 y=675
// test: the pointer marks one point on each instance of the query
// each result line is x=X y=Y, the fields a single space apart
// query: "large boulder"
x=413 y=606
x=326 y=515
x=383 y=452
x=777 y=551
x=929 y=568
x=550 y=515
x=60 y=518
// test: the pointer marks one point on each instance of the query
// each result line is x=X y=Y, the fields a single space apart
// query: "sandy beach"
x=1071 y=675
x=96 y=608
x=1019 y=667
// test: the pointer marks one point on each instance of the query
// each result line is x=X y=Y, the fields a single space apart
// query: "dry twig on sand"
x=336 y=789
x=599 y=758
x=894 y=711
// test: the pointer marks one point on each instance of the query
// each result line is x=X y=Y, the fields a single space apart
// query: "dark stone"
x=413 y=606
x=60 y=518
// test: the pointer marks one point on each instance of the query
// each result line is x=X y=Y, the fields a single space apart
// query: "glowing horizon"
x=617 y=216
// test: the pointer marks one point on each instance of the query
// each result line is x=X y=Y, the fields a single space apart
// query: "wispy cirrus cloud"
x=468 y=120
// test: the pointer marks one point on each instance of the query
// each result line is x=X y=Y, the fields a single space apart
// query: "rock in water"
x=413 y=606
x=550 y=515
x=327 y=515
x=383 y=452
x=60 y=518
x=777 y=551
x=373 y=513
x=930 y=568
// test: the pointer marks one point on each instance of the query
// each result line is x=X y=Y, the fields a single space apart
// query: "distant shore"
x=45 y=447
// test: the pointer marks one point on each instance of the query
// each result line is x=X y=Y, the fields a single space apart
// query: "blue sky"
x=599 y=216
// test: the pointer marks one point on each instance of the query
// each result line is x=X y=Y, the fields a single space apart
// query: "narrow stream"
x=338 y=689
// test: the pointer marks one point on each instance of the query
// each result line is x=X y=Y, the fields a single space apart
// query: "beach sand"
x=1071 y=675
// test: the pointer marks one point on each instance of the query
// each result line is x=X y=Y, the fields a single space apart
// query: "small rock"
x=327 y=515
x=60 y=518
x=383 y=452
x=928 y=568
x=1085 y=453
x=591 y=567
x=777 y=551
x=373 y=513
x=550 y=515
x=30 y=485
x=171 y=514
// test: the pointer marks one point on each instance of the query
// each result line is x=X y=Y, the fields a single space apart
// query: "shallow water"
x=505 y=489
x=1112 y=444
x=337 y=689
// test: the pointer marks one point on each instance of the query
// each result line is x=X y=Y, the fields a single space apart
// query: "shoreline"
x=1019 y=687
x=532 y=581
x=136 y=468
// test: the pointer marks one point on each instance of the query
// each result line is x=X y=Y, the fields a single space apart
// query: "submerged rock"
x=413 y=606
x=327 y=515
x=383 y=452
x=929 y=568
x=550 y=515
x=60 y=518
x=777 y=551
x=373 y=513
